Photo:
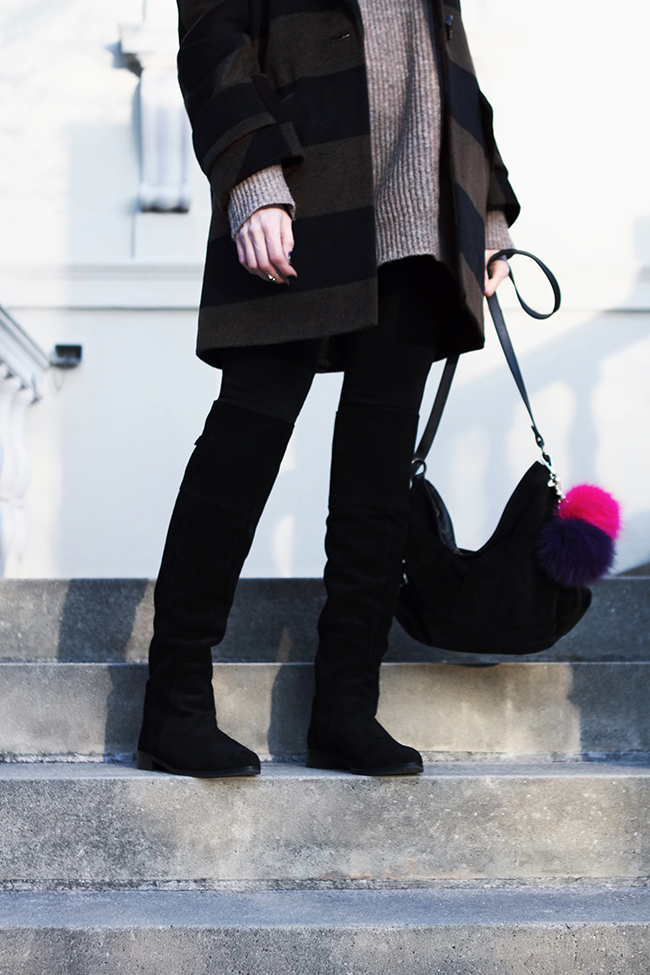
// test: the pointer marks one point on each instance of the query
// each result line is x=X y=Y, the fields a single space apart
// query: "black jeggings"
x=380 y=373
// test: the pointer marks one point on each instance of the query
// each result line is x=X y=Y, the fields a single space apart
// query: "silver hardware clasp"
x=554 y=479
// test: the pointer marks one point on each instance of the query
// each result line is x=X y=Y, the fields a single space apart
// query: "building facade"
x=104 y=218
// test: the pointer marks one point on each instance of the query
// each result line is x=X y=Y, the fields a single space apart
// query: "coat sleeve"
x=238 y=124
x=501 y=195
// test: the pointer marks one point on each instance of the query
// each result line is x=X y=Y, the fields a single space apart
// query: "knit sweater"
x=405 y=132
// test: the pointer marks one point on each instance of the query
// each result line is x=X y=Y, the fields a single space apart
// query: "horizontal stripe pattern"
x=479 y=176
x=318 y=263
x=284 y=317
x=471 y=230
x=310 y=45
x=317 y=182
x=323 y=185
x=463 y=104
x=477 y=172
x=273 y=142
x=283 y=82
x=328 y=108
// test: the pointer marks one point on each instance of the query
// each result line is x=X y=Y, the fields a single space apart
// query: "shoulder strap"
x=433 y=422
x=440 y=401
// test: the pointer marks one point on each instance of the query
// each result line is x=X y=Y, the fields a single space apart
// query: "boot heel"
x=322 y=760
x=146 y=763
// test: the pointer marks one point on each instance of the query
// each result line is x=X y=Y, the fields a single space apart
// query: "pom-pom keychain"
x=576 y=547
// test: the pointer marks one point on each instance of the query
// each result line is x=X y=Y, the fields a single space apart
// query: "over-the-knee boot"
x=366 y=535
x=223 y=493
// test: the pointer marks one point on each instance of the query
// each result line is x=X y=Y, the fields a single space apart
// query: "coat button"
x=449 y=24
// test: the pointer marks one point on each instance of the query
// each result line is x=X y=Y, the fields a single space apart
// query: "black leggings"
x=380 y=372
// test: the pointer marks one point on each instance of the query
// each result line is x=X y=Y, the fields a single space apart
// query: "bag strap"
x=433 y=422
x=423 y=448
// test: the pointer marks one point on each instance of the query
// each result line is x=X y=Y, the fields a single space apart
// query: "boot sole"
x=324 y=760
x=149 y=763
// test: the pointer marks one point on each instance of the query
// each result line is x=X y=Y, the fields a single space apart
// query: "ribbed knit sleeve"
x=263 y=189
x=497 y=235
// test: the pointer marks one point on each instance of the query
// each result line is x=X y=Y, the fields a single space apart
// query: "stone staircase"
x=525 y=846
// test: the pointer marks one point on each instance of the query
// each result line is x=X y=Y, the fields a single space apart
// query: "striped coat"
x=283 y=81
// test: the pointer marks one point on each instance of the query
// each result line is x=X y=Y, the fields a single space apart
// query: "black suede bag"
x=497 y=600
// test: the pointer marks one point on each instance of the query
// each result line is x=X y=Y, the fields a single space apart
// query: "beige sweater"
x=405 y=131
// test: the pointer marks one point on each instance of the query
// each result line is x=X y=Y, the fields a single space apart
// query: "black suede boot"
x=226 y=484
x=366 y=535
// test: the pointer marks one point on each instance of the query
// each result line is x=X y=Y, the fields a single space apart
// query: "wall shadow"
x=487 y=407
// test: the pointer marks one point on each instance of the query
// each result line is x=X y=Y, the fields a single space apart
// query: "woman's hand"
x=498 y=273
x=264 y=244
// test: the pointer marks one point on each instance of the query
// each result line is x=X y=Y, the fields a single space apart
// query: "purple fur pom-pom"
x=573 y=552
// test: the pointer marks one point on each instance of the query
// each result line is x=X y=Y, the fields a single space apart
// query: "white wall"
x=78 y=263
x=569 y=82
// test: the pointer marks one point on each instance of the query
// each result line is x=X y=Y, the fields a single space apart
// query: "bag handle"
x=418 y=463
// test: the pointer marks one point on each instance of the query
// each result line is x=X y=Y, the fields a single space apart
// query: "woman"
x=359 y=130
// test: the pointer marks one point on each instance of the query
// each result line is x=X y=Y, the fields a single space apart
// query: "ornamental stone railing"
x=22 y=371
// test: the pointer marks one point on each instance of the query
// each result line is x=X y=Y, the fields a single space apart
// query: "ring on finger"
x=271 y=278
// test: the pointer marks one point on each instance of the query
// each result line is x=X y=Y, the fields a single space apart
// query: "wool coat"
x=269 y=82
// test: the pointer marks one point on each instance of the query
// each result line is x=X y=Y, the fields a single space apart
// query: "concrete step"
x=419 y=932
x=109 y=823
x=272 y=620
x=529 y=711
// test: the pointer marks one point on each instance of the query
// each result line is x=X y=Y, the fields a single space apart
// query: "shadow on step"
x=291 y=697
x=585 y=699
x=100 y=621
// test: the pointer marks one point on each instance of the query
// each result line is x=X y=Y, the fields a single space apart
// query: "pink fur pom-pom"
x=593 y=505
